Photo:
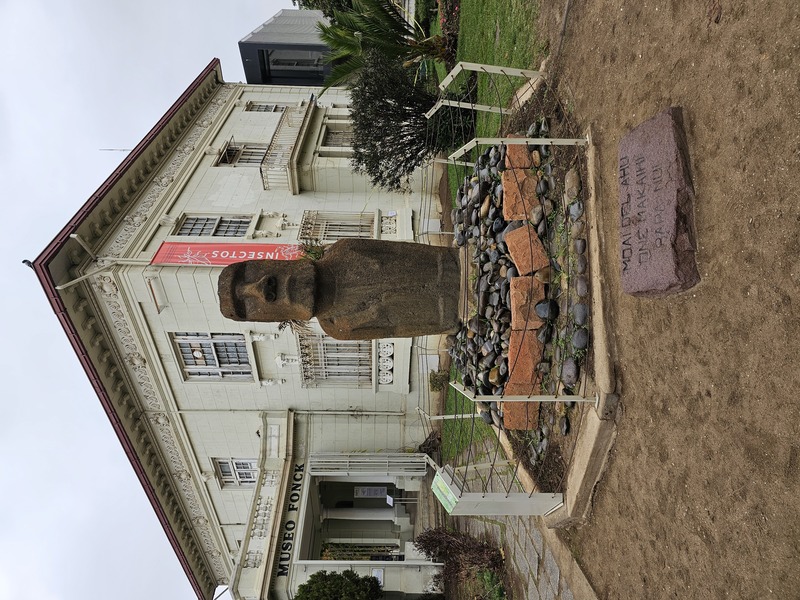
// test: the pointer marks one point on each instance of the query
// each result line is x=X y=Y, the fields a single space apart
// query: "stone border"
x=597 y=430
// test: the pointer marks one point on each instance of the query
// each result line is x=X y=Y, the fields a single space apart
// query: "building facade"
x=267 y=453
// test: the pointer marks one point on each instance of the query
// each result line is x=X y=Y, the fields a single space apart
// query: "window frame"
x=330 y=226
x=232 y=153
x=219 y=222
x=332 y=131
x=325 y=363
x=265 y=107
x=236 y=472
x=218 y=347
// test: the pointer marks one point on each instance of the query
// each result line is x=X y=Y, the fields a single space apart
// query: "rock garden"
x=520 y=220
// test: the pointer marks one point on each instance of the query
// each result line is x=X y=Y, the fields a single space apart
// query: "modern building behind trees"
x=267 y=454
x=286 y=50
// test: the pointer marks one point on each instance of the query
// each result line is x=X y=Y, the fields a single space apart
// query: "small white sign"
x=389 y=500
x=378 y=574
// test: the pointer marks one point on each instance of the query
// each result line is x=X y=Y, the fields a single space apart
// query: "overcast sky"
x=78 y=76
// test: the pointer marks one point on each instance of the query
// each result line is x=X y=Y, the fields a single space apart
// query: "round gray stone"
x=580 y=339
x=547 y=309
x=581 y=263
x=569 y=372
x=576 y=210
x=580 y=314
x=581 y=286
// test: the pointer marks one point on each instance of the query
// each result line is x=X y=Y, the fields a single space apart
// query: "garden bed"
x=520 y=219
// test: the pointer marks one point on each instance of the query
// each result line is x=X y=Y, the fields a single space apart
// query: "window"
x=252 y=154
x=214 y=226
x=328 y=362
x=236 y=471
x=264 y=107
x=294 y=62
x=213 y=355
x=332 y=226
x=233 y=154
x=337 y=141
x=338 y=138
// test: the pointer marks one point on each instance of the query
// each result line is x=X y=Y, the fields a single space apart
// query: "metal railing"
x=275 y=166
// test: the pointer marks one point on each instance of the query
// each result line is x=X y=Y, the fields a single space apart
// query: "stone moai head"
x=268 y=290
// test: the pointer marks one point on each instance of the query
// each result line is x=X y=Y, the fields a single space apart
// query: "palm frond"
x=344 y=73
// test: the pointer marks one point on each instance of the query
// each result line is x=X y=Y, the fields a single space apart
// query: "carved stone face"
x=268 y=290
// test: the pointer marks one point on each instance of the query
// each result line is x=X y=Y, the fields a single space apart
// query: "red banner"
x=182 y=253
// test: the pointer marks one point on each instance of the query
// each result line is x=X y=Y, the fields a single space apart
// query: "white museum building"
x=267 y=454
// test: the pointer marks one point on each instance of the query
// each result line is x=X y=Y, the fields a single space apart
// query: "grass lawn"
x=498 y=32
x=503 y=33
x=458 y=434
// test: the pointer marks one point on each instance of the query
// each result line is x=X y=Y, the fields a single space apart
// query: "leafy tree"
x=326 y=6
x=347 y=585
x=391 y=136
x=374 y=25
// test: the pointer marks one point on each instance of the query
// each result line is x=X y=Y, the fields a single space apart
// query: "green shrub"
x=493 y=587
x=438 y=380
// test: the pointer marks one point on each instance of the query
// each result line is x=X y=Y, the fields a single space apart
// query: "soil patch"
x=699 y=500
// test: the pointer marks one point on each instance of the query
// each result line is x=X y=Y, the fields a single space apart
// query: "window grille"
x=338 y=138
x=236 y=471
x=332 y=226
x=294 y=62
x=348 y=552
x=214 y=226
x=229 y=154
x=334 y=464
x=327 y=362
x=252 y=154
x=213 y=355
x=242 y=154
x=264 y=107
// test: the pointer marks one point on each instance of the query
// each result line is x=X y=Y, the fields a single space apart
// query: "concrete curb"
x=526 y=91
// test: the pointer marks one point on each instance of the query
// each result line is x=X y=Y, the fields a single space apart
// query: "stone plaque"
x=657 y=240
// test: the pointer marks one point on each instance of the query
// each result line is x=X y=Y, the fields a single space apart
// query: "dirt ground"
x=702 y=495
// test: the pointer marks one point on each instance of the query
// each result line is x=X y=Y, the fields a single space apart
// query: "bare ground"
x=701 y=496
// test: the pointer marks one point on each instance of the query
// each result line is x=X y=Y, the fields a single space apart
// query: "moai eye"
x=271 y=289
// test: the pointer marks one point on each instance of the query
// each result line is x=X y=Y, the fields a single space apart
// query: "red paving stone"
x=518 y=156
x=526 y=250
x=521 y=415
x=524 y=353
x=519 y=193
x=525 y=293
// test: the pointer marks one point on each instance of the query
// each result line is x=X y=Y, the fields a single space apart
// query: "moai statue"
x=360 y=289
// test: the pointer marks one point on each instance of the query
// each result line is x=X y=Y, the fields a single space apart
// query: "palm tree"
x=374 y=25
